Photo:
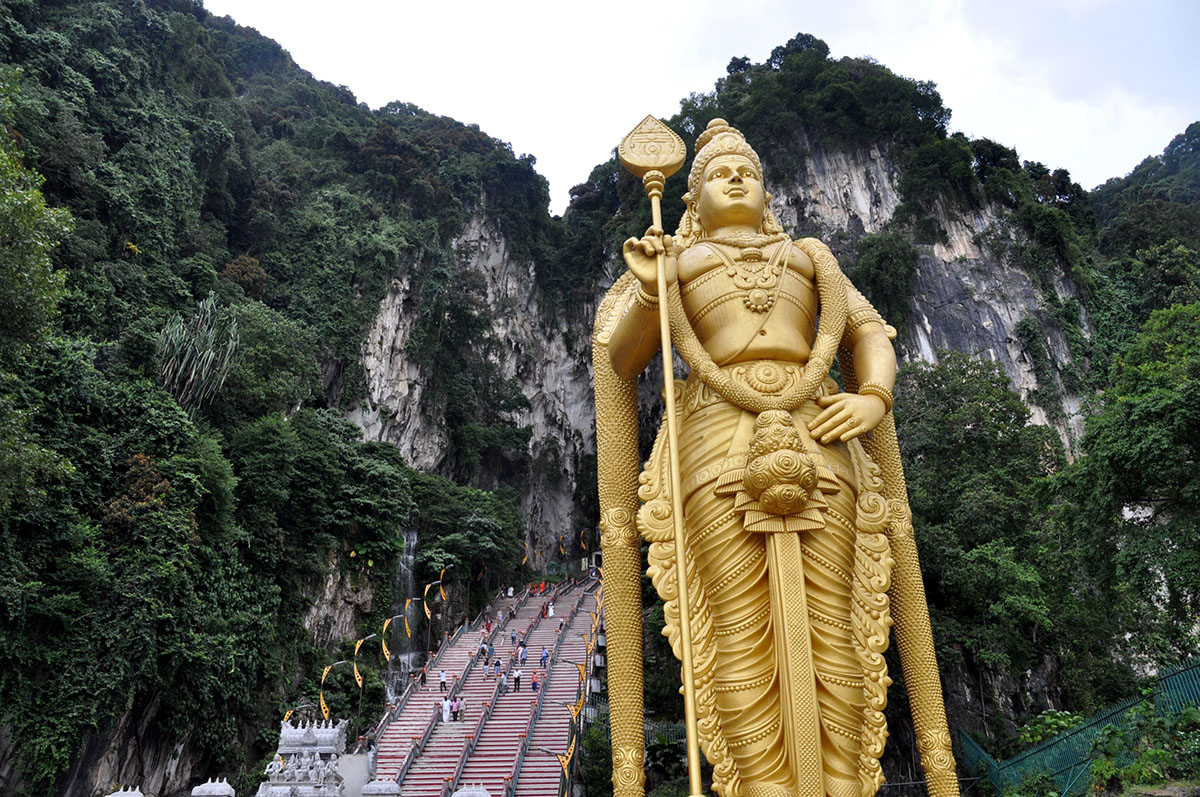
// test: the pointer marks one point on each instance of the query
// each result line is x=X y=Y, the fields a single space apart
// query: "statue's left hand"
x=846 y=416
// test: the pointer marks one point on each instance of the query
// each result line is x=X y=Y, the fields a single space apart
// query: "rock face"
x=546 y=352
x=337 y=603
x=967 y=294
x=131 y=751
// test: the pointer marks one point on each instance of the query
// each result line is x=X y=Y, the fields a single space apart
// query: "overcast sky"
x=1090 y=85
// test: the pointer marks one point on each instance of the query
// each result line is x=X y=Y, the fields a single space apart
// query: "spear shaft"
x=653 y=182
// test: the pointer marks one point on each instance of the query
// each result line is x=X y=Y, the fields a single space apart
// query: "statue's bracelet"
x=872 y=389
x=644 y=299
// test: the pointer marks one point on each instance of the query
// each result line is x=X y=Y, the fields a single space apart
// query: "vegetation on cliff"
x=176 y=472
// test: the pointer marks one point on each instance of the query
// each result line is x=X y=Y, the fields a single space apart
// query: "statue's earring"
x=690 y=222
x=694 y=219
x=771 y=225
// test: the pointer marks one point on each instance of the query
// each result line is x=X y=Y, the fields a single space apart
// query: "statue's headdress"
x=719 y=138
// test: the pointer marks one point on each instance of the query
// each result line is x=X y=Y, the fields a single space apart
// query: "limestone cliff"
x=968 y=295
x=544 y=349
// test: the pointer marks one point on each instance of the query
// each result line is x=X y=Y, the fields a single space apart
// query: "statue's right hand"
x=641 y=257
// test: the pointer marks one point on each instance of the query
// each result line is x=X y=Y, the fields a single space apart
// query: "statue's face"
x=732 y=193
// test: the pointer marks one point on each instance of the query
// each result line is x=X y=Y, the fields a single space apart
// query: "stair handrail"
x=451 y=783
x=442 y=647
x=412 y=687
x=516 y=609
x=392 y=713
x=528 y=736
x=484 y=613
x=536 y=705
x=510 y=786
x=418 y=746
x=572 y=738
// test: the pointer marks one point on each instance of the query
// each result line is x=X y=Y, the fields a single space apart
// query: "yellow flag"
x=387 y=654
x=386 y=623
x=441 y=578
x=581 y=669
x=325 y=674
x=407 y=630
x=288 y=715
x=443 y=591
x=357 y=675
x=582 y=541
x=357 y=645
x=324 y=707
x=565 y=759
x=425 y=602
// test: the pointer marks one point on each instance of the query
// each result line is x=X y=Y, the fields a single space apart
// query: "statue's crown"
x=719 y=138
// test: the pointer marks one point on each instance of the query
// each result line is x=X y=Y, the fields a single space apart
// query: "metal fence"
x=671 y=731
x=1068 y=757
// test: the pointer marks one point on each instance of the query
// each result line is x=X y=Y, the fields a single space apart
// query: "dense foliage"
x=195 y=235
x=1147 y=750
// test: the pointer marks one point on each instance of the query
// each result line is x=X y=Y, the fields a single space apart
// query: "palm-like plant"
x=197 y=355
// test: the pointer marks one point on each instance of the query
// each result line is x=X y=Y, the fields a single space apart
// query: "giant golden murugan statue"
x=798 y=538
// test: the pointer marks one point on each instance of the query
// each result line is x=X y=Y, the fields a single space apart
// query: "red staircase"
x=443 y=756
x=494 y=758
x=419 y=712
x=494 y=742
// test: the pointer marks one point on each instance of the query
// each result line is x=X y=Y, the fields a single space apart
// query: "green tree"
x=29 y=230
x=1142 y=502
x=972 y=460
x=196 y=356
x=883 y=270
x=29 y=293
x=276 y=369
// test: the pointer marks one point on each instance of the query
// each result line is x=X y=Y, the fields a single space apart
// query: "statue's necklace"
x=759 y=280
x=743 y=240
x=832 y=296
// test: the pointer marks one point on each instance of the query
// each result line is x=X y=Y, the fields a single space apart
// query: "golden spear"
x=653 y=152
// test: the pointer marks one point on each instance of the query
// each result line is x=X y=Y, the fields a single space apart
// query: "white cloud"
x=565 y=81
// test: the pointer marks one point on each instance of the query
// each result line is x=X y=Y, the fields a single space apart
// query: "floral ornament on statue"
x=782 y=488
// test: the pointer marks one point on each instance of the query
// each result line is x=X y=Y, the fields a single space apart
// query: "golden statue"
x=788 y=499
